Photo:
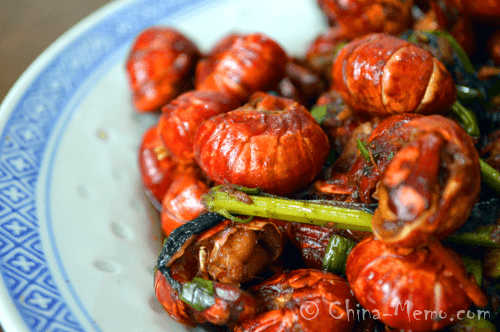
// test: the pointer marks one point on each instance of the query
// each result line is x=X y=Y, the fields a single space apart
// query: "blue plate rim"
x=29 y=113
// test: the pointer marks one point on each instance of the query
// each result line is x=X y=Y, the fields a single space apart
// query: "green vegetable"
x=474 y=266
x=336 y=254
x=467 y=118
x=483 y=236
x=199 y=294
x=363 y=150
x=467 y=94
x=469 y=67
x=490 y=176
x=312 y=212
x=337 y=214
x=475 y=324
x=469 y=121
x=319 y=112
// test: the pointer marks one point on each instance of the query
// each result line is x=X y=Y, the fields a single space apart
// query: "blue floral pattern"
x=24 y=268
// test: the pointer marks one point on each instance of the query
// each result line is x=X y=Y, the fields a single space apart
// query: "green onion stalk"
x=474 y=266
x=336 y=254
x=466 y=116
x=466 y=94
x=315 y=212
x=462 y=55
x=468 y=119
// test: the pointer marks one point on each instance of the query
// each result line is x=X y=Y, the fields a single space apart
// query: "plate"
x=78 y=238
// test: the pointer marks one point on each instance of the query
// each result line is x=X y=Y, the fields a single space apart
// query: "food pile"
x=352 y=189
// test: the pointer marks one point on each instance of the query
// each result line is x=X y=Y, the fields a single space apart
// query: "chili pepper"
x=401 y=287
x=159 y=67
x=306 y=300
x=242 y=65
x=360 y=17
x=181 y=118
x=272 y=143
x=376 y=74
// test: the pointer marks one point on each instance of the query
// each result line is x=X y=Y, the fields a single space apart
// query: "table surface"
x=28 y=27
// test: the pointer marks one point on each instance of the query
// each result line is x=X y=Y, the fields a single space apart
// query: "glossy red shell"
x=242 y=65
x=383 y=75
x=231 y=304
x=158 y=168
x=271 y=143
x=321 y=52
x=407 y=291
x=171 y=302
x=478 y=10
x=159 y=67
x=450 y=18
x=182 y=201
x=181 y=118
x=312 y=240
x=226 y=254
x=494 y=47
x=430 y=186
x=361 y=17
x=302 y=300
x=359 y=182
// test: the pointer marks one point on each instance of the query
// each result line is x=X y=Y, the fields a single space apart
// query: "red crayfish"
x=159 y=67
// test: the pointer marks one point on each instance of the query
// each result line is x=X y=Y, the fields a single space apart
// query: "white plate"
x=78 y=242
